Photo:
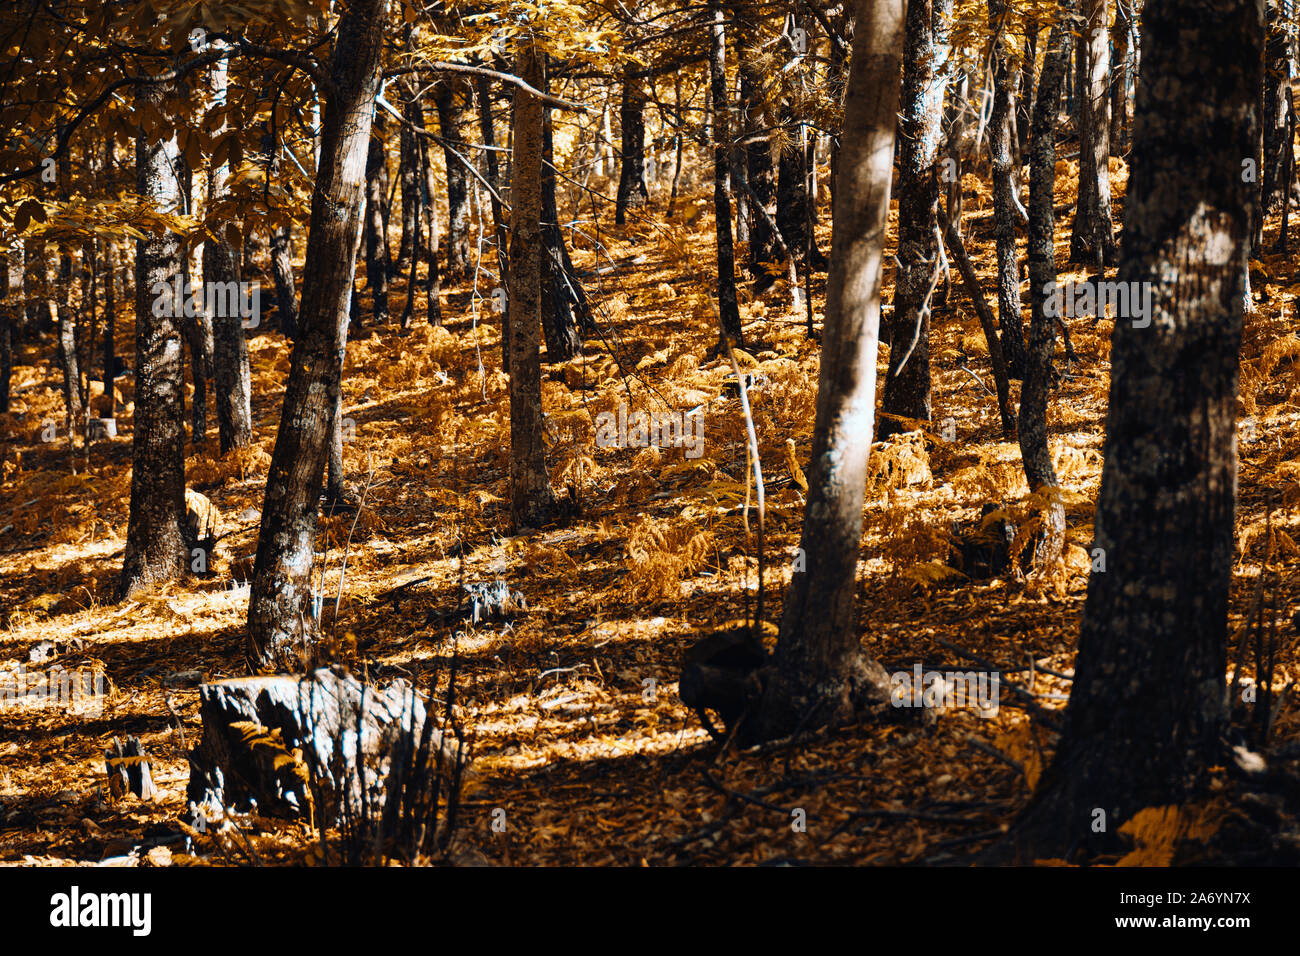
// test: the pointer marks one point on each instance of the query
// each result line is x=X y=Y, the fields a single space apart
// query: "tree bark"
x=632 y=192
x=376 y=237
x=1092 y=239
x=279 y=615
x=1148 y=706
x=1006 y=207
x=728 y=307
x=820 y=673
x=448 y=98
x=1035 y=453
x=231 y=376
x=532 y=502
x=1277 y=77
x=157 y=544
x=925 y=65
x=1120 y=34
x=564 y=303
x=760 y=171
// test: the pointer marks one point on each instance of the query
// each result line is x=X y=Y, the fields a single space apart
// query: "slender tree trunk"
x=157 y=545
x=6 y=332
x=483 y=95
x=286 y=299
x=231 y=376
x=632 y=193
x=1277 y=77
x=532 y=502
x=1092 y=239
x=728 y=307
x=408 y=176
x=1028 y=64
x=376 y=237
x=820 y=673
x=451 y=117
x=760 y=171
x=67 y=350
x=428 y=206
x=1147 y=710
x=1035 y=453
x=925 y=63
x=1119 y=39
x=280 y=612
x=1005 y=201
x=564 y=303
x=110 y=326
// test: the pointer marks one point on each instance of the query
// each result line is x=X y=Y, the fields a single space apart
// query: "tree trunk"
x=632 y=193
x=451 y=116
x=728 y=307
x=1035 y=453
x=1119 y=38
x=67 y=350
x=408 y=177
x=925 y=60
x=280 y=613
x=483 y=95
x=564 y=303
x=1092 y=240
x=760 y=172
x=1006 y=208
x=376 y=237
x=532 y=502
x=1028 y=63
x=820 y=673
x=1277 y=77
x=230 y=372
x=157 y=544
x=1147 y=710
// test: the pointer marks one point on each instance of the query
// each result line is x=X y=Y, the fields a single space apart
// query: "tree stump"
x=283 y=741
x=128 y=770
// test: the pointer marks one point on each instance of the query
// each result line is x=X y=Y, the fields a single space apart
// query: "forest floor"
x=578 y=733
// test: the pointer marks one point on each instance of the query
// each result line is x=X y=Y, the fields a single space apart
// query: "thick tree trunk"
x=1092 y=239
x=1035 y=453
x=157 y=545
x=820 y=673
x=632 y=193
x=448 y=96
x=728 y=307
x=1148 y=706
x=231 y=377
x=280 y=613
x=1006 y=206
x=532 y=502
x=925 y=64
